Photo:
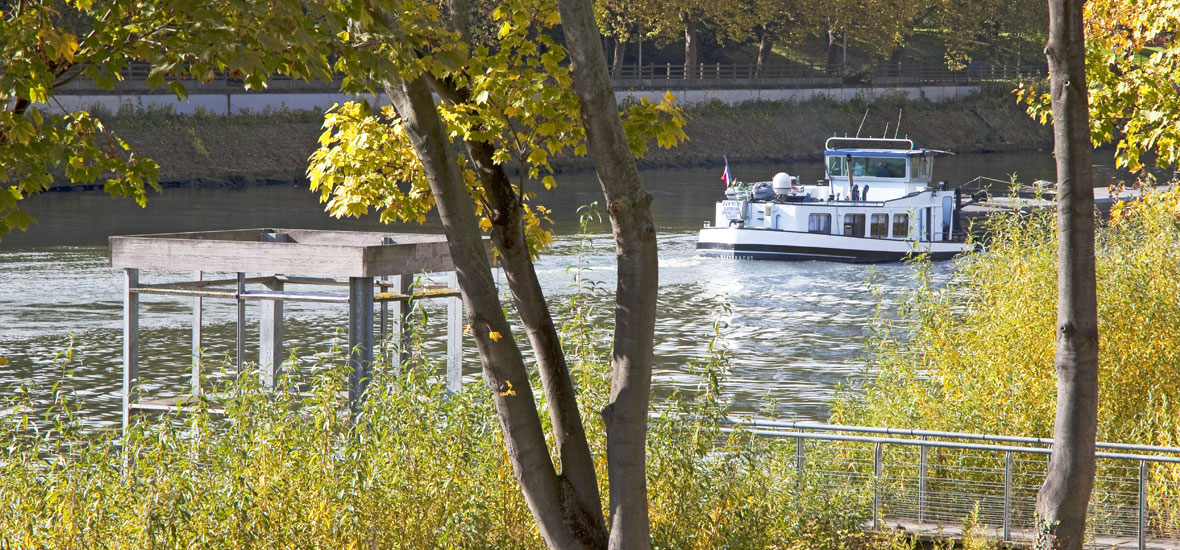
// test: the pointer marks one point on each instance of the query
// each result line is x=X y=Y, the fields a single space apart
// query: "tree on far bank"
x=1064 y=498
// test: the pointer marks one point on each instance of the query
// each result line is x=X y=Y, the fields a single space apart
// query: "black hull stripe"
x=805 y=253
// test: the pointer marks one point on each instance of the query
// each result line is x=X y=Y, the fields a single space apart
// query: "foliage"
x=1132 y=63
x=989 y=331
x=517 y=97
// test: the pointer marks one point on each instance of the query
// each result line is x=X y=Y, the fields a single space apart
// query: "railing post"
x=1007 y=496
x=922 y=482
x=1142 y=532
x=876 y=485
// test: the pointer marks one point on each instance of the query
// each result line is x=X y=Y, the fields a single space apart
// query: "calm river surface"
x=795 y=330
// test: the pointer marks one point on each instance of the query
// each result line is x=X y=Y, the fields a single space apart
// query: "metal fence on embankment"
x=934 y=483
x=740 y=76
x=671 y=76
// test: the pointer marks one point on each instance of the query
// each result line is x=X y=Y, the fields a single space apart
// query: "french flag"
x=725 y=175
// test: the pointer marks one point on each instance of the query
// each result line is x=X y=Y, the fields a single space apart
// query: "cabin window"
x=921 y=166
x=901 y=226
x=854 y=225
x=835 y=166
x=879 y=226
x=819 y=223
x=885 y=167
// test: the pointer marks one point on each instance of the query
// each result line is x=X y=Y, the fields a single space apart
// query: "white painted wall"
x=256 y=102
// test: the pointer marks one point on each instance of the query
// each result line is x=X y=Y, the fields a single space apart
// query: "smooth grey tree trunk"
x=502 y=362
x=629 y=205
x=1064 y=498
x=581 y=501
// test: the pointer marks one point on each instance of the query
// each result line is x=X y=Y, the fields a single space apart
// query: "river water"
x=795 y=331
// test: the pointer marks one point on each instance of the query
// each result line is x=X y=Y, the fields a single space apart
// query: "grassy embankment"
x=273 y=147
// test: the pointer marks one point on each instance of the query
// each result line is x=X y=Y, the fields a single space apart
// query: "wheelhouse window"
x=835 y=166
x=885 y=167
x=879 y=226
x=921 y=166
x=854 y=225
x=819 y=223
x=901 y=226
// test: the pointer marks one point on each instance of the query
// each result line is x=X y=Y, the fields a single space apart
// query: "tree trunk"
x=503 y=365
x=581 y=499
x=834 y=38
x=617 y=63
x=691 y=68
x=629 y=205
x=764 y=49
x=1063 y=499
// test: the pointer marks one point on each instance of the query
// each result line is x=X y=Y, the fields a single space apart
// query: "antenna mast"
x=898 y=123
x=862 y=122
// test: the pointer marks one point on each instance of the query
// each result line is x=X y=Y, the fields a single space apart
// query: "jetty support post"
x=402 y=329
x=130 y=343
x=240 y=348
x=360 y=338
x=454 y=336
x=270 y=344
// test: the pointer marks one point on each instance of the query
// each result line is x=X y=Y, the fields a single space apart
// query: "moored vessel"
x=876 y=203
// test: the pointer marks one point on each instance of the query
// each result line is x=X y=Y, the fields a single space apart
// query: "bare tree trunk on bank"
x=629 y=205
x=1064 y=498
x=765 y=45
x=690 y=47
x=503 y=366
x=835 y=41
x=617 y=61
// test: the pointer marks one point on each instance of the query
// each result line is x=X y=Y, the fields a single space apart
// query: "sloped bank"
x=272 y=148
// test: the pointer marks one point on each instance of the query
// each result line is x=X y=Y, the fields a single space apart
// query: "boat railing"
x=828 y=143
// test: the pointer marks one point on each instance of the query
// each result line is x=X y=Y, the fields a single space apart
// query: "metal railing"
x=666 y=76
x=717 y=75
x=930 y=481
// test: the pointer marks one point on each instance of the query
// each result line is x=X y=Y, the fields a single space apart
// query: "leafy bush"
x=990 y=332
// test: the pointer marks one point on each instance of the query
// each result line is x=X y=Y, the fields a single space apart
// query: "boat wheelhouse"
x=876 y=203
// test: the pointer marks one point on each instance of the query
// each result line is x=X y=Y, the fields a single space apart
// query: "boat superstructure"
x=876 y=203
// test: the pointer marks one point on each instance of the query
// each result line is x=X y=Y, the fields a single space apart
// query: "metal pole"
x=130 y=344
x=270 y=348
x=1007 y=496
x=196 y=378
x=360 y=338
x=401 y=328
x=1142 y=505
x=800 y=460
x=454 y=337
x=240 y=350
x=383 y=323
x=876 y=485
x=922 y=482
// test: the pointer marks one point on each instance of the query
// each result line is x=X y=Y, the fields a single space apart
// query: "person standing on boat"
x=883 y=171
x=855 y=192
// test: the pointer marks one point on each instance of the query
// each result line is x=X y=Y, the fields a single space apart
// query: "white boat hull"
x=772 y=244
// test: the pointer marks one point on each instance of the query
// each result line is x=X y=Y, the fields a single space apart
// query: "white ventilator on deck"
x=377 y=268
